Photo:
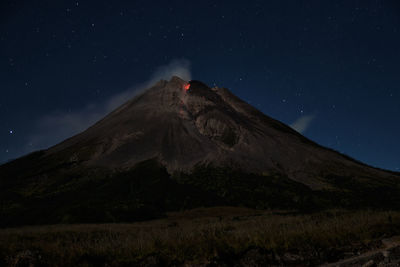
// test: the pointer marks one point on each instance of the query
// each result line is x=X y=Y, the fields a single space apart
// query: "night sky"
x=328 y=68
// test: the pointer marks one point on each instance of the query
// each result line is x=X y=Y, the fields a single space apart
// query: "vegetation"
x=270 y=220
x=207 y=236
x=69 y=194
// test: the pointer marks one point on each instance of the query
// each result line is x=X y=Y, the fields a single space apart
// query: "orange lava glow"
x=186 y=86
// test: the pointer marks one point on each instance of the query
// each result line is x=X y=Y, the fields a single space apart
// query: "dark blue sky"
x=332 y=64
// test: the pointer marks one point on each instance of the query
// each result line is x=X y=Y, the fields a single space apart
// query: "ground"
x=222 y=236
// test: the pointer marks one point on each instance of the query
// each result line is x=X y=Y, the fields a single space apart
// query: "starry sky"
x=328 y=68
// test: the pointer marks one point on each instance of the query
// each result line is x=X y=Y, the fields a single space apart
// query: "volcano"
x=178 y=145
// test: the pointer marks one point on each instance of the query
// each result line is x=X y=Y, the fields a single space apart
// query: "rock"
x=367 y=259
x=291 y=258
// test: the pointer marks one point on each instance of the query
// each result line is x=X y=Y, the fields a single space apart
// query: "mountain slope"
x=180 y=145
x=206 y=125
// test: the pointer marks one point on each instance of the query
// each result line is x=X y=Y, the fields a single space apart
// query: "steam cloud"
x=54 y=128
x=302 y=123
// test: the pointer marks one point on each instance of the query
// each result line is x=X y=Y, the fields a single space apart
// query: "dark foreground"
x=213 y=237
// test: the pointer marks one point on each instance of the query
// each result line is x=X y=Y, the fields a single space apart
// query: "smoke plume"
x=58 y=126
x=301 y=124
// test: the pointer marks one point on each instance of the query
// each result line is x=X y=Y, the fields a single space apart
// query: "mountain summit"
x=182 y=144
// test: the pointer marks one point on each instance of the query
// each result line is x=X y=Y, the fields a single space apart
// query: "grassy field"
x=221 y=236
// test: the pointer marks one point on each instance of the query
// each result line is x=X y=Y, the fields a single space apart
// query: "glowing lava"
x=186 y=86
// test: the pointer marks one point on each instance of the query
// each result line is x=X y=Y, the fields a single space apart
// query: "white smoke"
x=180 y=68
x=58 y=126
x=301 y=124
x=177 y=67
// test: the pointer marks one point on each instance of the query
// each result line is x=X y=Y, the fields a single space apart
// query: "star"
x=11 y=131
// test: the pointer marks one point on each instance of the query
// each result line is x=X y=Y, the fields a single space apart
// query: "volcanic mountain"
x=179 y=145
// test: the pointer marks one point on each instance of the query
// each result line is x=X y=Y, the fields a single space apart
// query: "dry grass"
x=199 y=236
